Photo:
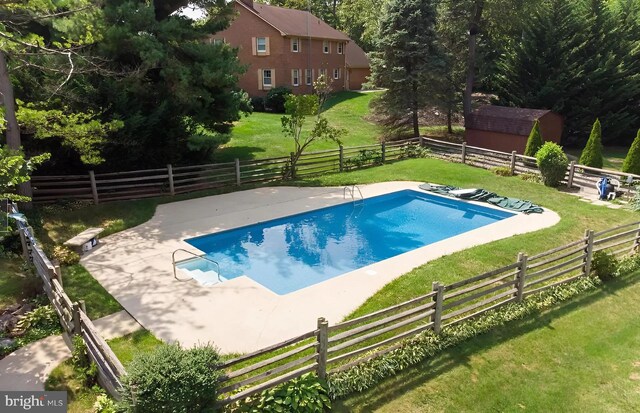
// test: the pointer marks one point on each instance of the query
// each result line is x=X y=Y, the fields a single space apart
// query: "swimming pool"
x=294 y=252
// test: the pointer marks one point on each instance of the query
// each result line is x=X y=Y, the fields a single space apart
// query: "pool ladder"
x=173 y=262
x=351 y=190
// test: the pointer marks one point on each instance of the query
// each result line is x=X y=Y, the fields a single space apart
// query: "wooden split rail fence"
x=73 y=315
x=173 y=180
x=330 y=349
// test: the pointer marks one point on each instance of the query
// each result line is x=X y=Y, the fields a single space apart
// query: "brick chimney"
x=248 y=3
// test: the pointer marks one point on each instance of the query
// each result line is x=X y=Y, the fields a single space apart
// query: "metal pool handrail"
x=173 y=261
x=352 y=192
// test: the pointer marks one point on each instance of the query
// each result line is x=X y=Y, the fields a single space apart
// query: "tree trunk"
x=8 y=100
x=449 y=120
x=414 y=109
x=474 y=28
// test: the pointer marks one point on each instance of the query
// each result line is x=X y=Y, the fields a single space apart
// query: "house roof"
x=355 y=57
x=514 y=121
x=292 y=22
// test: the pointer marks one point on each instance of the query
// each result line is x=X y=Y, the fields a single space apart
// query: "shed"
x=358 y=69
x=506 y=129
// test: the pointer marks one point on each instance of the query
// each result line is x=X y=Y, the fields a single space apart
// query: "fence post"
x=341 y=160
x=57 y=272
x=636 y=243
x=23 y=241
x=464 y=152
x=323 y=344
x=172 y=189
x=94 y=187
x=572 y=171
x=293 y=168
x=589 y=250
x=512 y=166
x=436 y=318
x=521 y=275
x=384 y=151
x=238 y=178
x=76 y=319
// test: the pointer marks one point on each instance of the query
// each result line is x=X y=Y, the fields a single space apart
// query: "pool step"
x=204 y=277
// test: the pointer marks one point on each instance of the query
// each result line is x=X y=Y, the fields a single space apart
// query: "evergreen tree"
x=592 y=152
x=407 y=63
x=632 y=161
x=534 y=142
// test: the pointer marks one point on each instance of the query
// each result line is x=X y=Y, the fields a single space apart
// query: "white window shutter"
x=267 y=48
x=273 y=77
x=260 y=85
x=253 y=46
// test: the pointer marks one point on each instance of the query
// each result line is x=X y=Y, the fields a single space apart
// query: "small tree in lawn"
x=535 y=140
x=592 y=152
x=15 y=169
x=297 y=109
x=632 y=161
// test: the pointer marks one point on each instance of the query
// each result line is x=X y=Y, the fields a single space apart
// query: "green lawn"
x=16 y=282
x=580 y=356
x=613 y=156
x=260 y=134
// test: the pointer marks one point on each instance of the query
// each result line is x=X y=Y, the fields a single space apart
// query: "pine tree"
x=534 y=142
x=632 y=161
x=407 y=62
x=592 y=152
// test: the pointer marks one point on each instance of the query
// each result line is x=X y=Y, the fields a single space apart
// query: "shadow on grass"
x=338 y=98
x=230 y=153
x=460 y=355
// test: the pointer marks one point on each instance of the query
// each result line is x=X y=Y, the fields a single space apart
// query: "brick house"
x=358 y=68
x=285 y=47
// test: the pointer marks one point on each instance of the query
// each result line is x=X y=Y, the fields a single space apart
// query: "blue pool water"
x=297 y=251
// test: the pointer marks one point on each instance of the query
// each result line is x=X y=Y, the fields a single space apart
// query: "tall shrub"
x=592 y=152
x=632 y=161
x=552 y=162
x=170 y=379
x=535 y=140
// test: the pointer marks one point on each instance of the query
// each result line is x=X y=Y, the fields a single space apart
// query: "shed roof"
x=355 y=57
x=292 y=22
x=514 y=121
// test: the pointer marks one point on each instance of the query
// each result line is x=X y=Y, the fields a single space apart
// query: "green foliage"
x=85 y=369
x=276 y=98
x=635 y=201
x=82 y=132
x=592 y=152
x=414 y=151
x=64 y=255
x=408 y=63
x=365 y=157
x=305 y=394
x=552 y=163
x=14 y=170
x=104 y=404
x=44 y=317
x=577 y=58
x=170 y=379
x=530 y=177
x=502 y=171
x=632 y=161
x=534 y=142
x=424 y=345
x=604 y=265
x=257 y=103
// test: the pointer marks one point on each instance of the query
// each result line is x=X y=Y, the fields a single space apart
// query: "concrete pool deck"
x=240 y=315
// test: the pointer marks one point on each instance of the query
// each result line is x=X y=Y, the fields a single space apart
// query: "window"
x=323 y=73
x=340 y=48
x=266 y=78
x=295 y=77
x=218 y=41
x=295 y=45
x=308 y=74
x=336 y=73
x=325 y=46
x=261 y=44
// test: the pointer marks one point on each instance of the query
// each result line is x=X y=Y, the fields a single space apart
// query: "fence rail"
x=331 y=349
x=72 y=315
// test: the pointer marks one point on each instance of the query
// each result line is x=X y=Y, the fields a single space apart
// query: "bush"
x=274 y=101
x=87 y=370
x=257 y=103
x=305 y=394
x=592 y=152
x=635 y=201
x=534 y=142
x=104 y=404
x=552 y=163
x=502 y=171
x=530 y=177
x=604 y=265
x=170 y=379
x=631 y=163
x=366 y=157
x=64 y=255
x=40 y=317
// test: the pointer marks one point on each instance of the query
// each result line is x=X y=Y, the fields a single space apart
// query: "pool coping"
x=240 y=314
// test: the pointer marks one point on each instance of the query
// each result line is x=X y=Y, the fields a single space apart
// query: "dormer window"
x=326 y=46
